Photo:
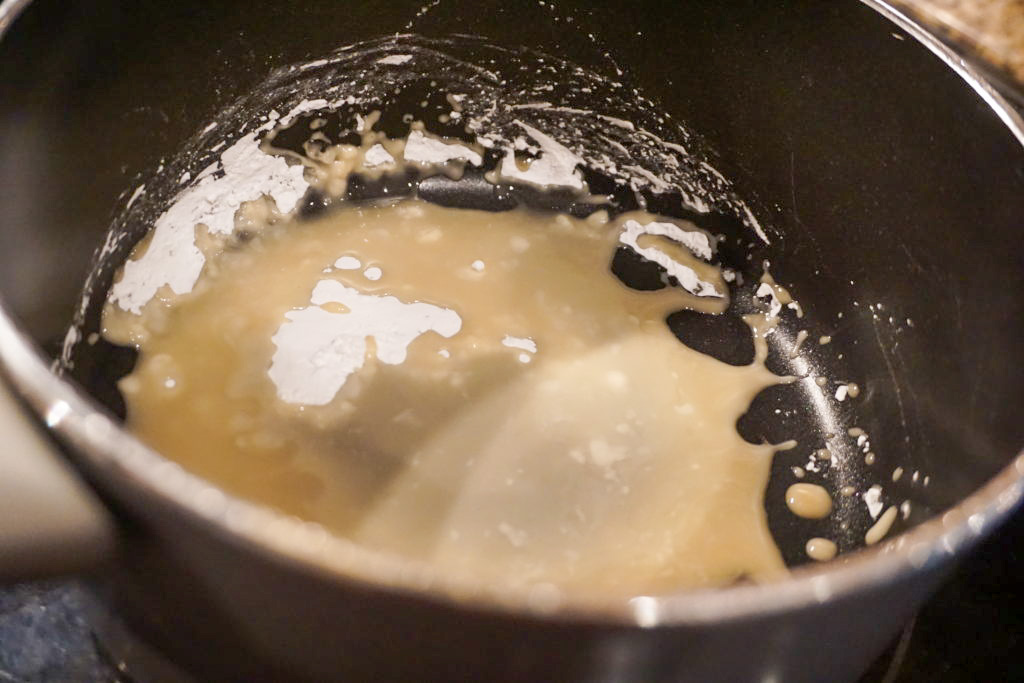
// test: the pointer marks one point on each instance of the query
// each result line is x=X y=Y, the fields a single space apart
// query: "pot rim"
x=112 y=453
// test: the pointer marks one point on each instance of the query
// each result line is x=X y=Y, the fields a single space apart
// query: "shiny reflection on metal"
x=9 y=11
x=1011 y=499
x=804 y=374
x=127 y=462
x=957 y=63
x=57 y=412
x=919 y=555
x=821 y=588
x=211 y=502
x=645 y=610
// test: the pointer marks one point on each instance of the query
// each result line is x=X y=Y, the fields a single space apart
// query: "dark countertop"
x=44 y=636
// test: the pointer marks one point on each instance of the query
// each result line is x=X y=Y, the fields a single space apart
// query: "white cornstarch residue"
x=524 y=343
x=314 y=64
x=317 y=350
x=528 y=346
x=694 y=240
x=304 y=107
x=348 y=263
x=765 y=290
x=71 y=337
x=687 y=277
x=643 y=178
x=139 y=191
x=395 y=60
x=555 y=167
x=424 y=150
x=873 y=499
x=377 y=156
x=753 y=223
x=246 y=174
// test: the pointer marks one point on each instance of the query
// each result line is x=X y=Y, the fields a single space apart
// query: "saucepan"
x=885 y=179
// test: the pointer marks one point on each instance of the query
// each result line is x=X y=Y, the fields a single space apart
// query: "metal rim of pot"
x=107 y=448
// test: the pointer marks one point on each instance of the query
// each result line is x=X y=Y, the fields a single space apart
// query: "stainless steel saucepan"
x=888 y=173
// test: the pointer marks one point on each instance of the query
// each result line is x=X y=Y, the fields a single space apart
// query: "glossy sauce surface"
x=474 y=390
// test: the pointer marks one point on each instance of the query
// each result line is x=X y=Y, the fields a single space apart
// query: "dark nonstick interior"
x=780 y=413
x=882 y=179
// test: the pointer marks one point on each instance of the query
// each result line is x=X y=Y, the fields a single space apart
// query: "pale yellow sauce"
x=821 y=549
x=809 y=500
x=881 y=527
x=606 y=459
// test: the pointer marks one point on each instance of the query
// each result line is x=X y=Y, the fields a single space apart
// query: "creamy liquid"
x=880 y=528
x=474 y=390
x=809 y=500
x=821 y=549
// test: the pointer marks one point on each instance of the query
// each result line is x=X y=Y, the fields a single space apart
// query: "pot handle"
x=50 y=522
x=987 y=31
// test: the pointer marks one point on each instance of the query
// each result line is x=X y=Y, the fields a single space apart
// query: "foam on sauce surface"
x=475 y=390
